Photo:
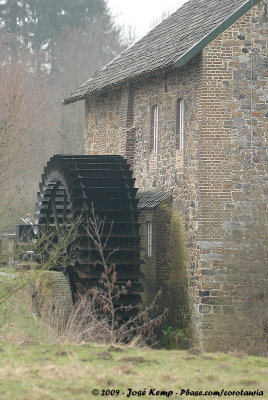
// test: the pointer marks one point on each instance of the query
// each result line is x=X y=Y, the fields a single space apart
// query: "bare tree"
x=22 y=113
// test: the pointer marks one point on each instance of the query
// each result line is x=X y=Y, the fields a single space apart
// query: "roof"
x=151 y=199
x=170 y=44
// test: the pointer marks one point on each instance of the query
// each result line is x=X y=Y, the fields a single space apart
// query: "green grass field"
x=34 y=365
x=53 y=372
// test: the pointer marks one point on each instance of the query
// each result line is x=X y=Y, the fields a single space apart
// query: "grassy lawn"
x=31 y=371
x=35 y=365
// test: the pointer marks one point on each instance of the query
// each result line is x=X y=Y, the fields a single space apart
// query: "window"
x=180 y=124
x=149 y=238
x=130 y=107
x=154 y=138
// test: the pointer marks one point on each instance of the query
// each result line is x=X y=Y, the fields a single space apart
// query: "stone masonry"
x=225 y=92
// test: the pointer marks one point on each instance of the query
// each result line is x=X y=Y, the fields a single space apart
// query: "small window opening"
x=130 y=107
x=154 y=141
x=180 y=124
x=150 y=238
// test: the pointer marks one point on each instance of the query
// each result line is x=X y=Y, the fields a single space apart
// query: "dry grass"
x=21 y=323
x=81 y=324
x=24 y=319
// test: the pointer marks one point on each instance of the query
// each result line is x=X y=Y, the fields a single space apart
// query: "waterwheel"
x=72 y=188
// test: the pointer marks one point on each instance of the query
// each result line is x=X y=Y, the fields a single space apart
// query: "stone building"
x=187 y=106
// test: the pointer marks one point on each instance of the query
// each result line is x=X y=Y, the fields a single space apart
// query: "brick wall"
x=103 y=132
x=232 y=117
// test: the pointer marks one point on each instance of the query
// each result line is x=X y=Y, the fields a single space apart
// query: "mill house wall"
x=225 y=132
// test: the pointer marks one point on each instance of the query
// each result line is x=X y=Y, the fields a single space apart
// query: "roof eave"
x=67 y=101
x=116 y=85
x=197 y=47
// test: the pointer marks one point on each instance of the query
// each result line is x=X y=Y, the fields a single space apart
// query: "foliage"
x=239 y=333
x=38 y=23
x=51 y=250
x=93 y=316
x=172 y=338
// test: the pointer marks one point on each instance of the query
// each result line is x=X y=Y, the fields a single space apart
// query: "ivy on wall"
x=167 y=268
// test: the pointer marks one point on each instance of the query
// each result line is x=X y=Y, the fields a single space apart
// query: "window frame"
x=180 y=105
x=149 y=238
x=155 y=129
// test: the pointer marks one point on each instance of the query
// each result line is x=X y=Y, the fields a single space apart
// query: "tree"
x=21 y=99
x=76 y=38
x=38 y=23
x=52 y=249
x=22 y=112
x=79 y=54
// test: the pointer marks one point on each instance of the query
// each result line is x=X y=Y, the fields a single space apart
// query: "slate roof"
x=150 y=199
x=163 y=45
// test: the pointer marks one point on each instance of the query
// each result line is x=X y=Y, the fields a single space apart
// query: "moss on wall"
x=171 y=265
x=51 y=291
x=166 y=269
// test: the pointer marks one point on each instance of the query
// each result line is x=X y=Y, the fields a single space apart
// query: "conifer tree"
x=38 y=23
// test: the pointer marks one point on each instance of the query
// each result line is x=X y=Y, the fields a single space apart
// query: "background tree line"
x=47 y=49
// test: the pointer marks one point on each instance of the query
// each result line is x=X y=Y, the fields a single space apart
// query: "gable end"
x=196 y=48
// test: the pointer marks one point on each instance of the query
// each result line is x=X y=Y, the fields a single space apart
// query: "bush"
x=239 y=333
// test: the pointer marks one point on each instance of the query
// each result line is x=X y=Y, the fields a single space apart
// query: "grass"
x=33 y=365
x=49 y=372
